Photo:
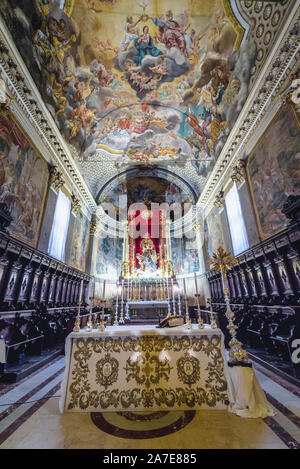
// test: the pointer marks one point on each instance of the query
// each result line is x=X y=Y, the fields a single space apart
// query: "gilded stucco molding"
x=27 y=97
x=94 y=225
x=238 y=174
x=75 y=204
x=219 y=199
x=56 y=179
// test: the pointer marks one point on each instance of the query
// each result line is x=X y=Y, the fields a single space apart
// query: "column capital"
x=56 y=178
x=94 y=225
x=238 y=174
x=75 y=204
x=219 y=200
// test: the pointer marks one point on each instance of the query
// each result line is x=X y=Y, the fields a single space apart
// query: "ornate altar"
x=147 y=288
x=137 y=368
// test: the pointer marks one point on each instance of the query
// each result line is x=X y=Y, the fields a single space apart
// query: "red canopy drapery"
x=147 y=222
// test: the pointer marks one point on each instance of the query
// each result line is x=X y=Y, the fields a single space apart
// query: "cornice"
x=28 y=102
x=27 y=98
x=281 y=59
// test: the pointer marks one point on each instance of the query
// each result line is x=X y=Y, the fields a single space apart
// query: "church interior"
x=149 y=224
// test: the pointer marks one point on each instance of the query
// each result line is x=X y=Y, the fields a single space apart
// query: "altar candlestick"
x=127 y=317
x=179 y=300
x=133 y=256
x=174 y=307
x=197 y=294
x=196 y=286
x=103 y=293
x=123 y=254
x=168 y=297
x=80 y=293
x=116 y=323
x=77 y=322
x=121 y=321
x=184 y=287
x=187 y=316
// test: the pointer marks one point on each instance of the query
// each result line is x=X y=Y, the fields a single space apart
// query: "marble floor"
x=29 y=418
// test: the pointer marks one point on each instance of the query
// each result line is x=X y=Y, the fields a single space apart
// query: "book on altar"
x=172 y=321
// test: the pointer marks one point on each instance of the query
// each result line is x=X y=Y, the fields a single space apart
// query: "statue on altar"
x=148 y=258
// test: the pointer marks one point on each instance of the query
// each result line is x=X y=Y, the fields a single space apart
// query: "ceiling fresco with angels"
x=147 y=82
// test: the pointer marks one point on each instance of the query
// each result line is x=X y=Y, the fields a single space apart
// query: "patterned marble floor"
x=29 y=418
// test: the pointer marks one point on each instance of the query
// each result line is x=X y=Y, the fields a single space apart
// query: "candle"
x=168 y=298
x=133 y=256
x=80 y=293
x=196 y=286
x=117 y=299
x=116 y=323
x=173 y=297
x=179 y=300
x=103 y=294
x=185 y=299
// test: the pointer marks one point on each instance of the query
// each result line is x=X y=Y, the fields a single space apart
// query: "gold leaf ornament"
x=222 y=260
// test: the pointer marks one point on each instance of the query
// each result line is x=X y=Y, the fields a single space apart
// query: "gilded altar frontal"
x=149 y=227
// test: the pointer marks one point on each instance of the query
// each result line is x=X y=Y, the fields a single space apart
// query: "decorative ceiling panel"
x=141 y=83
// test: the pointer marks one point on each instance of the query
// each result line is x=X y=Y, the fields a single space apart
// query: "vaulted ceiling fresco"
x=146 y=189
x=141 y=83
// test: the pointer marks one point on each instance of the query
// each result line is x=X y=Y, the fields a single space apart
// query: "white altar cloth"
x=142 y=368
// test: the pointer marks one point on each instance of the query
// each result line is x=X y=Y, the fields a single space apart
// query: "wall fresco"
x=23 y=180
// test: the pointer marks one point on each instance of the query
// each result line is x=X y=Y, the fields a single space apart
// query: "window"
x=60 y=226
x=236 y=221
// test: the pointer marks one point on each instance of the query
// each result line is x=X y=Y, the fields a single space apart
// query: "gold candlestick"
x=95 y=320
x=102 y=323
x=223 y=261
x=187 y=317
x=77 y=321
x=200 y=320
x=89 y=325
x=213 y=323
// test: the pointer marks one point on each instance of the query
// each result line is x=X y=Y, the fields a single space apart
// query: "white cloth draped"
x=248 y=399
x=60 y=226
x=236 y=221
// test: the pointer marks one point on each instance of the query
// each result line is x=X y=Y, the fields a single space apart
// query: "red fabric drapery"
x=145 y=223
